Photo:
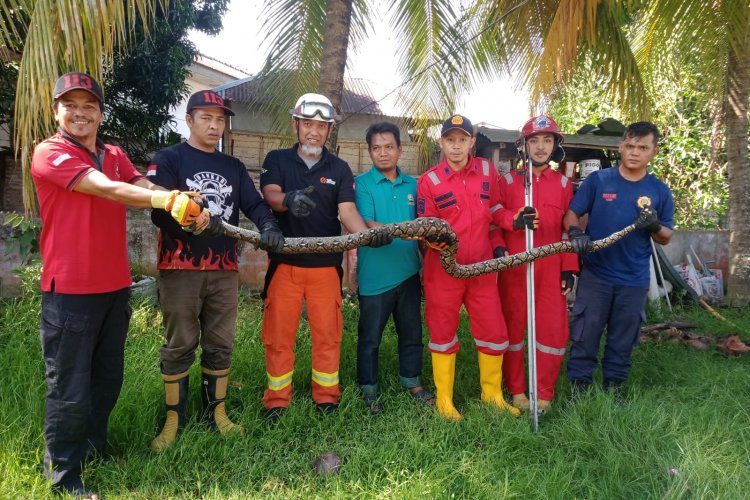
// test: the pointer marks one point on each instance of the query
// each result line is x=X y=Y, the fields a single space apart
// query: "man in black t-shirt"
x=198 y=278
x=311 y=192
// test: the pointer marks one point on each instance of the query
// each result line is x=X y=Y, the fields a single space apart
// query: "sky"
x=239 y=44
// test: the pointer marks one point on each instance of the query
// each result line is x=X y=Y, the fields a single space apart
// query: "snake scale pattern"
x=419 y=228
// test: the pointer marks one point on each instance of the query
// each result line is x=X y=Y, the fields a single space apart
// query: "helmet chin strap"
x=535 y=163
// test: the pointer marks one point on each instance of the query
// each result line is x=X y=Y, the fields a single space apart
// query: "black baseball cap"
x=457 y=122
x=78 y=81
x=208 y=99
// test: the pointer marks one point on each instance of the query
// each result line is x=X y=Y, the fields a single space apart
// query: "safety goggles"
x=311 y=109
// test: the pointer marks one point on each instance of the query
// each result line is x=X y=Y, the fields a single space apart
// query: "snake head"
x=645 y=218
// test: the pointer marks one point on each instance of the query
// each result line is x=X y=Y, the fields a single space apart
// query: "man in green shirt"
x=388 y=276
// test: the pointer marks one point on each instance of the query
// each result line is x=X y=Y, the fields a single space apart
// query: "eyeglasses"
x=310 y=109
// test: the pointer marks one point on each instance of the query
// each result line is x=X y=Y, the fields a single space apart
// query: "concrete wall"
x=11 y=183
x=709 y=244
x=142 y=243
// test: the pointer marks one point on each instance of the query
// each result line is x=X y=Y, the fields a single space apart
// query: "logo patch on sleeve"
x=151 y=171
x=57 y=161
x=420 y=206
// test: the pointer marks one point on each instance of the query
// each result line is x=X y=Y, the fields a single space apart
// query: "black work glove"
x=649 y=220
x=499 y=252
x=213 y=229
x=567 y=280
x=298 y=203
x=440 y=242
x=271 y=237
x=379 y=239
x=526 y=217
x=580 y=240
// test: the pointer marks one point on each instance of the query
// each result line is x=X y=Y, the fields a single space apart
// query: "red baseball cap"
x=208 y=99
x=77 y=81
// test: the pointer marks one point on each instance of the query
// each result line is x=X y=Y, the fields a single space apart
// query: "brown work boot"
x=521 y=402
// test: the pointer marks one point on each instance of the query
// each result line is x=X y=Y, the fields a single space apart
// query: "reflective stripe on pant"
x=599 y=304
x=83 y=344
x=444 y=295
x=320 y=288
x=551 y=326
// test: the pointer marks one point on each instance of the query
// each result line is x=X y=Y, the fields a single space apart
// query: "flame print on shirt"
x=180 y=257
x=203 y=254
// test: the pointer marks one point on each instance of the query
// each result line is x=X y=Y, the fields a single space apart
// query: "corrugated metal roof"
x=357 y=97
x=588 y=141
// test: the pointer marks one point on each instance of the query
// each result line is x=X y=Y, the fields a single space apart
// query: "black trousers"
x=404 y=304
x=83 y=344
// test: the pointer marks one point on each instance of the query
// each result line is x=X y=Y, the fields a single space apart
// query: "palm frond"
x=14 y=16
x=65 y=35
x=295 y=30
x=362 y=23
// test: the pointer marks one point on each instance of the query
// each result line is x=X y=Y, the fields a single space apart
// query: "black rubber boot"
x=213 y=392
x=176 y=394
x=579 y=388
x=614 y=386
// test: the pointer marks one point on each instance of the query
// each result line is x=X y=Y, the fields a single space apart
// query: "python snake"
x=420 y=228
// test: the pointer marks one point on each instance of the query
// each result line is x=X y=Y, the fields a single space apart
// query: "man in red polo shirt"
x=83 y=186
x=463 y=191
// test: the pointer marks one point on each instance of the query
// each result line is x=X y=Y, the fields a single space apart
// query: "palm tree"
x=335 y=44
x=55 y=37
x=716 y=35
x=310 y=40
x=635 y=44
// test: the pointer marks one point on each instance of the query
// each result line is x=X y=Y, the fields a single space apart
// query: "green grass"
x=685 y=410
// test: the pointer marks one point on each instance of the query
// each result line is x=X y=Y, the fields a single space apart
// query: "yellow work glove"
x=181 y=205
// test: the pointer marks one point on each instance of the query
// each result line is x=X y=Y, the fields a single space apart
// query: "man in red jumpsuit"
x=553 y=276
x=462 y=190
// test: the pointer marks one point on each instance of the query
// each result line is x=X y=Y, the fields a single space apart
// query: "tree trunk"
x=738 y=90
x=333 y=65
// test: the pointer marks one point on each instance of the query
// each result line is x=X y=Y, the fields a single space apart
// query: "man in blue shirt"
x=388 y=277
x=614 y=281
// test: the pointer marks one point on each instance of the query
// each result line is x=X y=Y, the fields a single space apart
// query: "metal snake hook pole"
x=530 y=293
x=657 y=264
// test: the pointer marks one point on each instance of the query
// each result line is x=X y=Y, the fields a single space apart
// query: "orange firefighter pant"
x=320 y=288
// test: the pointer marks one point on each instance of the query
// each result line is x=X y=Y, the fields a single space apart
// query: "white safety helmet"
x=314 y=107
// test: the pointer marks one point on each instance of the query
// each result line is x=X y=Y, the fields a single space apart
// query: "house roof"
x=586 y=141
x=358 y=96
x=220 y=66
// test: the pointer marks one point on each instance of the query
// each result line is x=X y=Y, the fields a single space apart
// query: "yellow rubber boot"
x=491 y=380
x=175 y=393
x=213 y=393
x=444 y=373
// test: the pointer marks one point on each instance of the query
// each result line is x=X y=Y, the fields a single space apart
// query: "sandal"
x=372 y=403
x=422 y=396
